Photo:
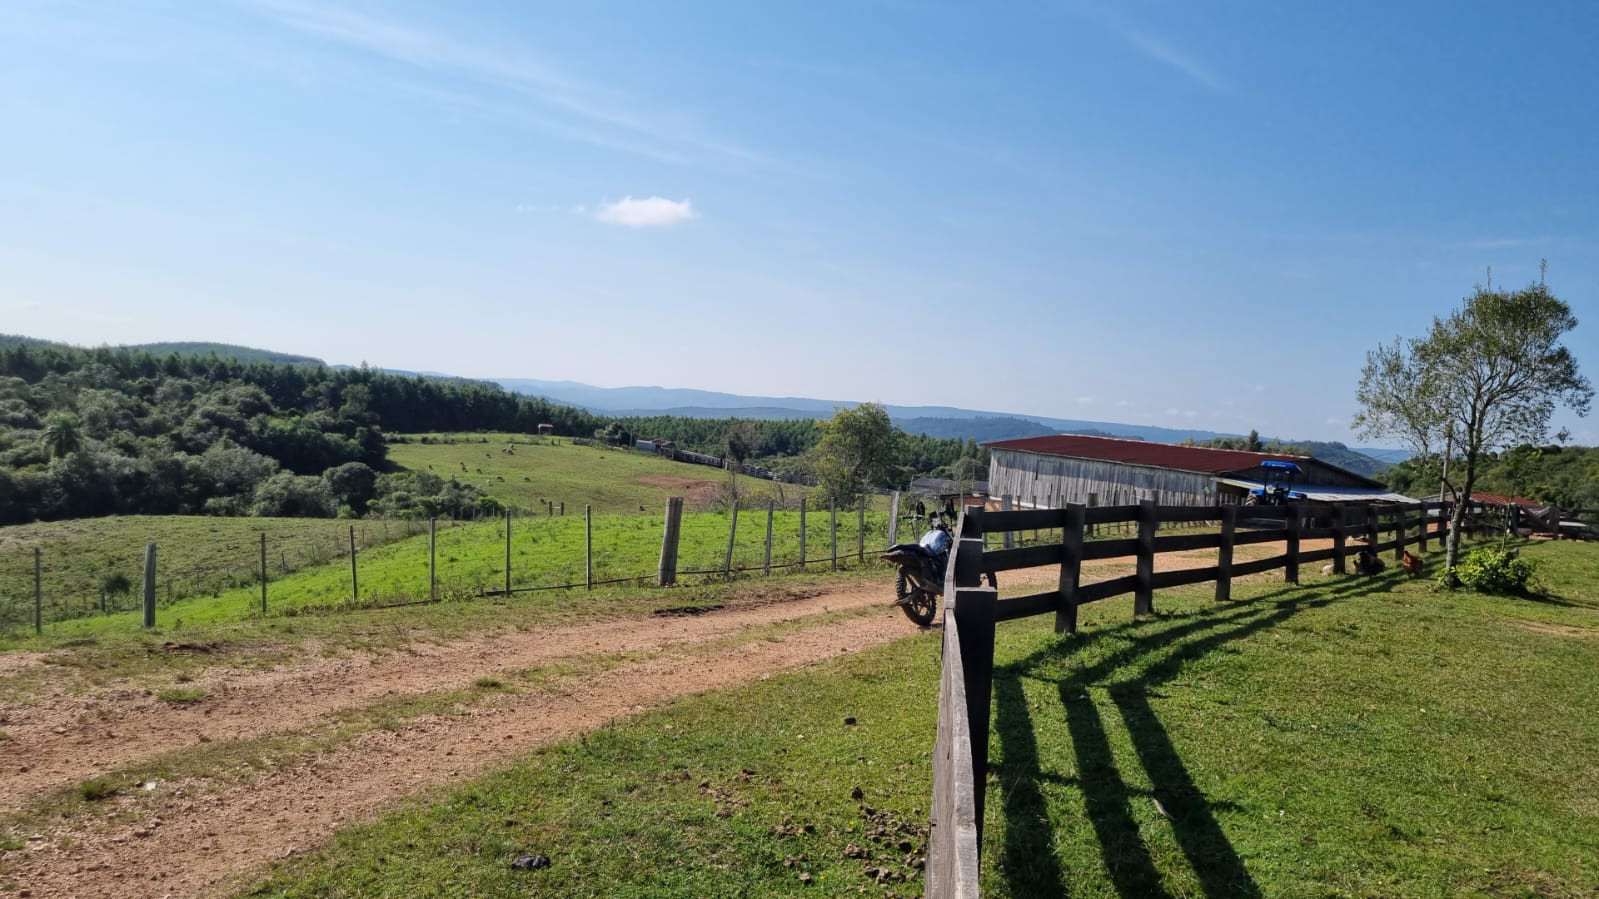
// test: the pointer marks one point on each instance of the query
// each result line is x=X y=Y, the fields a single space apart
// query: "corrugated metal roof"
x=1495 y=499
x=1203 y=460
x=1324 y=493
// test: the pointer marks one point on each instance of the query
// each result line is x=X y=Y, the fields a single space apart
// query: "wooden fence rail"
x=960 y=756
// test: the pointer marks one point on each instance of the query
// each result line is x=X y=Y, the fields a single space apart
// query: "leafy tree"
x=352 y=484
x=860 y=447
x=286 y=495
x=1488 y=376
x=62 y=434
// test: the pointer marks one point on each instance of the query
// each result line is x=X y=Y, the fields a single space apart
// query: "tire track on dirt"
x=195 y=844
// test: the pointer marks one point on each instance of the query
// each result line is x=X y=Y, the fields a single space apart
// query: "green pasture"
x=391 y=569
x=1347 y=737
x=529 y=472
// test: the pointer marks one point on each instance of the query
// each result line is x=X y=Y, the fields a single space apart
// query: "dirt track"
x=208 y=838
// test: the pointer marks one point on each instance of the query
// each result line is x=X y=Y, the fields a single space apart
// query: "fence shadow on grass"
x=1030 y=866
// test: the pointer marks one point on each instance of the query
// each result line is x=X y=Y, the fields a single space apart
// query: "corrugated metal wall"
x=1052 y=481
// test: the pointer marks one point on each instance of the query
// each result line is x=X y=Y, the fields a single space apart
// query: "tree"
x=1488 y=376
x=62 y=434
x=859 y=448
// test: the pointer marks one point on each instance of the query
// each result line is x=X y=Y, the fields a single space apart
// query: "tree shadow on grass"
x=1030 y=865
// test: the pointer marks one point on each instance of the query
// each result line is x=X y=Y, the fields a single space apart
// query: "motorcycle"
x=920 y=581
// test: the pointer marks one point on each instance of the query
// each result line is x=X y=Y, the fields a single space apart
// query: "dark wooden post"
x=149 y=585
x=1372 y=535
x=355 y=585
x=1400 y=536
x=433 y=558
x=1009 y=537
x=732 y=533
x=263 y=574
x=860 y=531
x=1340 y=521
x=1071 y=568
x=1291 y=569
x=1224 y=553
x=1422 y=537
x=802 y=534
x=667 y=574
x=1144 y=593
x=1093 y=500
x=976 y=611
x=588 y=545
x=38 y=591
x=507 y=552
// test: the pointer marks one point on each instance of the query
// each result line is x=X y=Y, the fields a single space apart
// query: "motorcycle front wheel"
x=918 y=605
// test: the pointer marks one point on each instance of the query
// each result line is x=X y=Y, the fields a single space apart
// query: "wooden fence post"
x=1071 y=567
x=767 y=567
x=1005 y=505
x=860 y=531
x=263 y=574
x=1372 y=537
x=38 y=591
x=667 y=574
x=1291 y=570
x=1224 y=553
x=149 y=585
x=893 y=518
x=433 y=557
x=507 y=552
x=588 y=545
x=1340 y=521
x=732 y=532
x=355 y=585
x=1144 y=593
x=802 y=534
x=976 y=611
x=1093 y=500
x=832 y=517
x=1422 y=537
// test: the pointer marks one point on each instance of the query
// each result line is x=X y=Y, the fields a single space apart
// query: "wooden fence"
x=971 y=612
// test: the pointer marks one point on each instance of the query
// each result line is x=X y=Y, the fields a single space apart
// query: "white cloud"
x=1162 y=52
x=1085 y=400
x=650 y=212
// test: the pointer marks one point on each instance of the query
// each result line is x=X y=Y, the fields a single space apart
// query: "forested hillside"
x=1563 y=476
x=87 y=432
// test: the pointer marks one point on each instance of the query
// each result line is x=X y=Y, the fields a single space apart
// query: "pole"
x=832 y=512
x=433 y=571
x=507 y=552
x=893 y=518
x=727 y=563
x=860 y=531
x=38 y=592
x=149 y=585
x=263 y=574
x=588 y=543
x=667 y=574
x=767 y=567
x=802 y=534
x=355 y=585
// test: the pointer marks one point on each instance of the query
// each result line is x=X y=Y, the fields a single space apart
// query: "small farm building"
x=546 y=429
x=1049 y=472
x=943 y=488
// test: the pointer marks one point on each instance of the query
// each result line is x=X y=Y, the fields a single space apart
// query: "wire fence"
x=212 y=569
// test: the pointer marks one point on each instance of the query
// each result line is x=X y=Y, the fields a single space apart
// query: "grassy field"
x=1349 y=737
x=528 y=472
x=392 y=569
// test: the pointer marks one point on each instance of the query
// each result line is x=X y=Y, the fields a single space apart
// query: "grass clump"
x=1491 y=569
x=96 y=789
x=181 y=695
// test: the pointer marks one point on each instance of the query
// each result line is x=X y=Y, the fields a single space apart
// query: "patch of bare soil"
x=191 y=844
x=1556 y=630
x=695 y=491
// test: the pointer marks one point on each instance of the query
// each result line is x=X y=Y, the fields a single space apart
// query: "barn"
x=1051 y=471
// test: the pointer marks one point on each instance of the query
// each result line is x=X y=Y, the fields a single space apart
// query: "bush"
x=1492 y=570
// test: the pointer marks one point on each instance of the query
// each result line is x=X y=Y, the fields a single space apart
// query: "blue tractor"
x=1277 y=486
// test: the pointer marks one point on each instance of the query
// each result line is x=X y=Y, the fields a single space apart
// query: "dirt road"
x=184 y=839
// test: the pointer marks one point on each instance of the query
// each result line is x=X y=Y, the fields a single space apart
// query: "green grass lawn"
x=1348 y=737
x=528 y=472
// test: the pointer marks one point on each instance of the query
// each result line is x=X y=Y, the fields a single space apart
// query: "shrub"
x=1491 y=570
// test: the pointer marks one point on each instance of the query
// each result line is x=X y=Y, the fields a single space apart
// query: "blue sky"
x=1184 y=214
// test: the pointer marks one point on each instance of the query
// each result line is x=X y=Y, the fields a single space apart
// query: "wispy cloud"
x=1086 y=400
x=1161 y=51
x=568 y=106
x=1501 y=243
x=649 y=212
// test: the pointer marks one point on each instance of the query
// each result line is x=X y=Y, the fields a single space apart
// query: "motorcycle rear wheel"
x=918 y=605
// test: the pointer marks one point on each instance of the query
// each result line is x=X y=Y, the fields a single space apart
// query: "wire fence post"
x=768 y=565
x=38 y=592
x=832 y=519
x=149 y=585
x=893 y=518
x=588 y=543
x=802 y=534
x=355 y=585
x=666 y=576
x=732 y=531
x=263 y=574
x=433 y=568
x=860 y=531
x=507 y=552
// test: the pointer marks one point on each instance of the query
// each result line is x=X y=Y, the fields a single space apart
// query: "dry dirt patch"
x=1557 y=630
x=694 y=490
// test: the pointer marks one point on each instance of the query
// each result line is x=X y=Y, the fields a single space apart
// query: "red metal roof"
x=1142 y=452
